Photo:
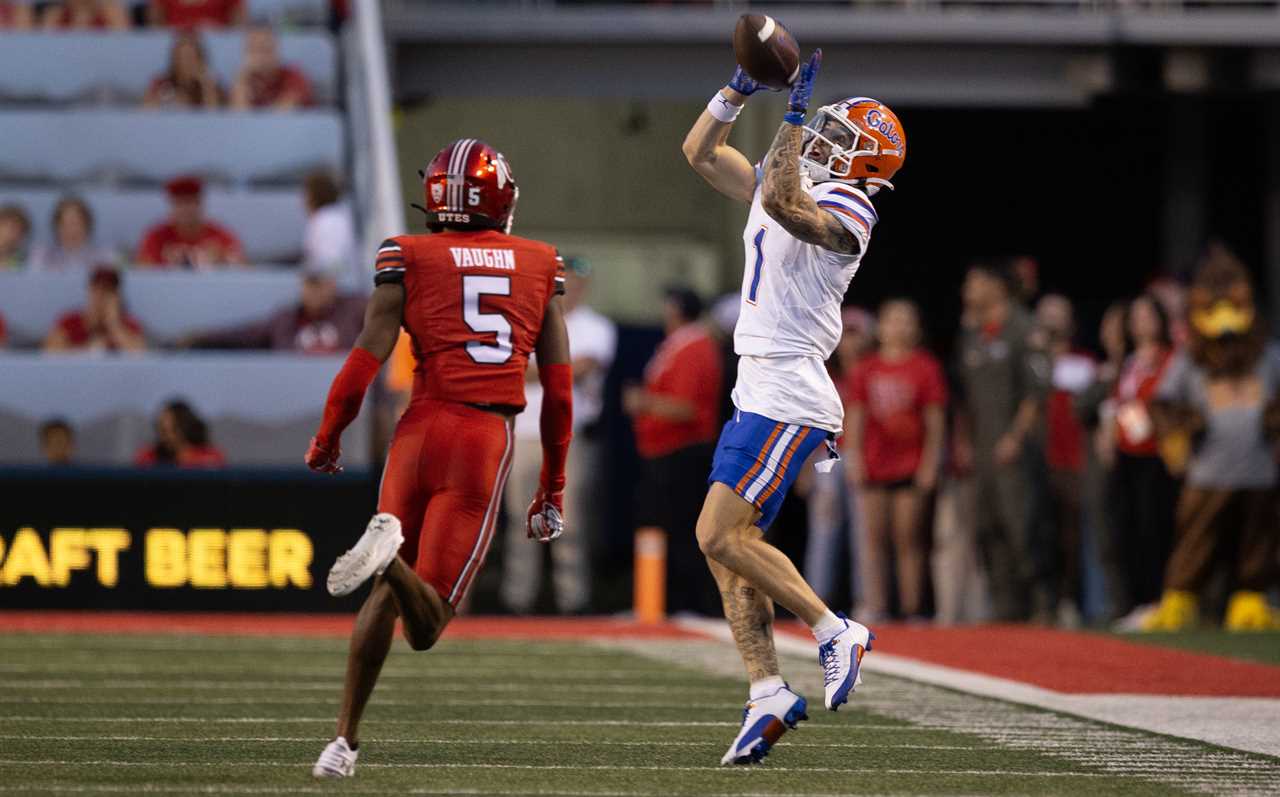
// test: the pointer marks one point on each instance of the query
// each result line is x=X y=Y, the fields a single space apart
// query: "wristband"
x=794 y=118
x=722 y=109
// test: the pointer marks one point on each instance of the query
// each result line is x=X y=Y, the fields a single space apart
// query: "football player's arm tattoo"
x=382 y=320
x=725 y=168
x=787 y=203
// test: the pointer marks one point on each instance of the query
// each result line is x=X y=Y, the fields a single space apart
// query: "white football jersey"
x=790 y=321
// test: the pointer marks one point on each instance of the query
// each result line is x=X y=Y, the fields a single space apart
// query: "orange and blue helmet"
x=858 y=140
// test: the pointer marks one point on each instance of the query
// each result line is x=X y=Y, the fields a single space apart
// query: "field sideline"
x=242 y=705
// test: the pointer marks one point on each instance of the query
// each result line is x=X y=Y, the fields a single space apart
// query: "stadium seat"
x=118 y=67
x=298 y=12
x=169 y=305
x=128 y=146
x=269 y=222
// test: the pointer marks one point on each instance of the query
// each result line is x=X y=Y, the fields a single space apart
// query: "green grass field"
x=1263 y=647
x=238 y=715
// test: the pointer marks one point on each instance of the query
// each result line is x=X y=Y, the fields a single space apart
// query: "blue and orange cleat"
x=841 y=660
x=763 y=723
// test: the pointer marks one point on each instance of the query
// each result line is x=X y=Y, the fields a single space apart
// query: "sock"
x=766 y=686
x=827 y=628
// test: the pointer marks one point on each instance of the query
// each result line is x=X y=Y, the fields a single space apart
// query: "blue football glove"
x=744 y=84
x=802 y=90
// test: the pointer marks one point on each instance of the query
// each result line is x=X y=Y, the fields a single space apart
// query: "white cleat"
x=337 y=761
x=372 y=553
x=763 y=723
x=841 y=660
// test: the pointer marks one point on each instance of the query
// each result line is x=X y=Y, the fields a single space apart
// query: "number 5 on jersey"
x=499 y=350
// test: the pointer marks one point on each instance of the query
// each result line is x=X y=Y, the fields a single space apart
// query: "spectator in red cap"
x=188 y=82
x=188 y=239
x=195 y=13
x=264 y=82
x=102 y=324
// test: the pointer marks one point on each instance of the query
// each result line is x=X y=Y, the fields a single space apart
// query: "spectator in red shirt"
x=1074 y=372
x=182 y=440
x=188 y=239
x=102 y=324
x=188 y=82
x=264 y=82
x=4 y=333
x=322 y=322
x=85 y=15
x=16 y=15
x=675 y=415
x=195 y=13
x=1141 y=492
x=894 y=428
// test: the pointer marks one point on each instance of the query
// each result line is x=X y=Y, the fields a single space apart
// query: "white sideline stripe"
x=1251 y=724
x=475 y=742
x=751 y=771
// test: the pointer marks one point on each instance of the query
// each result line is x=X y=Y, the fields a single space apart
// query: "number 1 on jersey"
x=473 y=287
x=758 y=241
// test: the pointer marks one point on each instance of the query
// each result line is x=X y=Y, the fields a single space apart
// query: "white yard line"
x=1249 y=724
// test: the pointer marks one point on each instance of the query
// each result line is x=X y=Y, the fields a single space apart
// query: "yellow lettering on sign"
x=67 y=552
x=108 y=543
x=26 y=559
x=207 y=555
x=290 y=559
x=247 y=558
x=166 y=558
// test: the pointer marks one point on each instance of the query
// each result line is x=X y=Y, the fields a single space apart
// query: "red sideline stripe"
x=1076 y=662
x=320 y=625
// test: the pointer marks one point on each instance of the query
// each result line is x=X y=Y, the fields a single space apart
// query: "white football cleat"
x=841 y=660
x=763 y=723
x=336 y=761
x=372 y=553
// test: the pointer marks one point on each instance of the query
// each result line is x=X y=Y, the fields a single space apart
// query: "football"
x=766 y=50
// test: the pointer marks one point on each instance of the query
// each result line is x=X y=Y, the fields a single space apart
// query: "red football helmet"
x=469 y=184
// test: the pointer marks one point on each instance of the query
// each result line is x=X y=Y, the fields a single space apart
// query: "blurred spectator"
x=675 y=418
x=1218 y=413
x=188 y=14
x=1074 y=371
x=593 y=341
x=4 y=333
x=182 y=440
x=15 y=226
x=188 y=239
x=1141 y=492
x=1026 y=279
x=264 y=82
x=57 y=441
x=1172 y=296
x=16 y=15
x=102 y=324
x=322 y=322
x=1002 y=379
x=73 y=248
x=85 y=15
x=895 y=426
x=833 y=508
x=188 y=82
x=329 y=240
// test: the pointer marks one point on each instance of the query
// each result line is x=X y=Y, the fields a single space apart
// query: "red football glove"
x=545 y=521
x=323 y=459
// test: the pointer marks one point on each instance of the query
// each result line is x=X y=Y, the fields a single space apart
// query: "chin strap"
x=874 y=184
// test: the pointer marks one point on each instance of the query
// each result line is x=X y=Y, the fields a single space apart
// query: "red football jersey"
x=473 y=307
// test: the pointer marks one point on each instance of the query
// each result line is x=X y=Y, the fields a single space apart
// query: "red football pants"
x=444 y=476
